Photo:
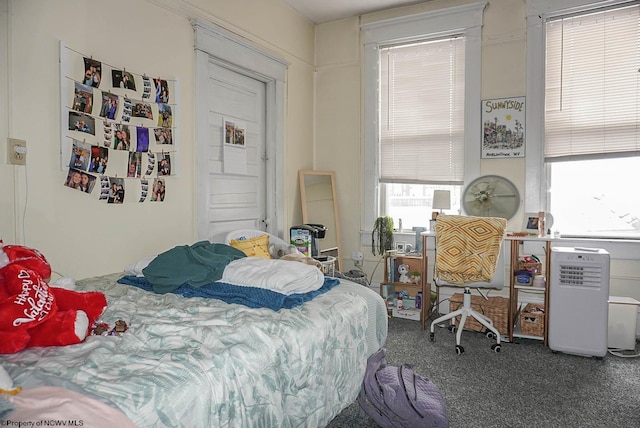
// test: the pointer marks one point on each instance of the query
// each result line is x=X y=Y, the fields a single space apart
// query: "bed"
x=201 y=362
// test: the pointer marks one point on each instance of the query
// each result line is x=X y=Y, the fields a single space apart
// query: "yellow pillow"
x=253 y=247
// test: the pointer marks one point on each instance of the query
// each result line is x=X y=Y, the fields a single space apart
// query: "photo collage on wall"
x=118 y=130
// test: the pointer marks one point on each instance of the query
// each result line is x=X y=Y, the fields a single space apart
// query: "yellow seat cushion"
x=253 y=247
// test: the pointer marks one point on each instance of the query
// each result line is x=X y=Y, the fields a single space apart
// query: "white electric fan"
x=491 y=196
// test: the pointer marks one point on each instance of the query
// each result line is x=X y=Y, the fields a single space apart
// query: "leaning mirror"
x=320 y=206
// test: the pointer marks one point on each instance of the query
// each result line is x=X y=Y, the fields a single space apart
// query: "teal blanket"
x=195 y=265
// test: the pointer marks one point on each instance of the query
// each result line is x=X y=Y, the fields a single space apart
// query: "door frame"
x=215 y=44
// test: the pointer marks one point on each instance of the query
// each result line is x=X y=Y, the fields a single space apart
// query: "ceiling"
x=320 y=11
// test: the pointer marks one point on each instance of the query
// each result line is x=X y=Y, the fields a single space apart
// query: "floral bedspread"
x=194 y=362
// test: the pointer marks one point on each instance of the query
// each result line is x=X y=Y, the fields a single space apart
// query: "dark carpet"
x=525 y=385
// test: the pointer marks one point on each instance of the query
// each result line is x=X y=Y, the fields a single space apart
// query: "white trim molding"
x=538 y=12
x=222 y=47
x=465 y=20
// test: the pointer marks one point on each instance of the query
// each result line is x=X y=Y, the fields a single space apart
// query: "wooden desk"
x=515 y=242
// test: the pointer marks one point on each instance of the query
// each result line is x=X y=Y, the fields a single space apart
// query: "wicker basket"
x=533 y=267
x=495 y=308
x=532 y=319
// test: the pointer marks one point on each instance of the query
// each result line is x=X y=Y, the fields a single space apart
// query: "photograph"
x=109 y=105
x=164 y=115
x=80 y=155
x=164 y=165
x=234 y=133
x=92 y=72
x=87 y=182
x=142 y=139
x=99 y=159
x=122 y=137
x=239 y=137
x=82 y=98
x=122 y=79
x=531 y=220
x=162 y=91
x=157 y=193
x=135 y=165
x=104 y=194
x=82 y=122
x=116 y=190
x=144 y=189
x=229 y=128
x=106 y=125
x=146 y=88
x=151 y=163
x=80 y=180
x=142 y=110
x=127 y=106
x=163 y=135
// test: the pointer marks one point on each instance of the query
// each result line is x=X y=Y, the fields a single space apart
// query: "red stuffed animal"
x=32 y=313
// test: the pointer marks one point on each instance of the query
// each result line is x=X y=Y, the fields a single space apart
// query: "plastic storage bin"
x=523 y=277
x=623 y=316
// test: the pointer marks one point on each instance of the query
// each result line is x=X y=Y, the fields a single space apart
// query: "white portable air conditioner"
x=578 y=301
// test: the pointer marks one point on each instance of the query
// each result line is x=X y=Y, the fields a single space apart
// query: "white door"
x=235 y=183
x=238 y=80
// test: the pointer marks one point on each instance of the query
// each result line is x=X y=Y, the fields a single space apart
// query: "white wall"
x=82 y=236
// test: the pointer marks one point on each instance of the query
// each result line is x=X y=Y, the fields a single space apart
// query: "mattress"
x=197 y=362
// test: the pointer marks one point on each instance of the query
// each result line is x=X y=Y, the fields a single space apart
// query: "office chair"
x=469 y=254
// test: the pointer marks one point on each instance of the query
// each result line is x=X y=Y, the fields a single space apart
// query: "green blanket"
x=196 y=265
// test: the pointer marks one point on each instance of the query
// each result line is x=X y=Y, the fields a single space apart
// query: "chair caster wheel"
x=452 y=328
x=490 y=334
x=459 y=349
x=432 y=337
x=496 y=348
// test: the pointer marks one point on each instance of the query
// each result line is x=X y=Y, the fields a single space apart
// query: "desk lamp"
x=441 y=200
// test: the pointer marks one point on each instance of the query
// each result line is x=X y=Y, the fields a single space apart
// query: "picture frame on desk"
x=400 y=247
x=530 y=222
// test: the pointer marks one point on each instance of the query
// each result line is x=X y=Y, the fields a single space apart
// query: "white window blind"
x=593 y=85
x=422 y=112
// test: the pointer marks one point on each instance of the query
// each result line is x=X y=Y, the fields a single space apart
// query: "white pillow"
x=282 y=276
x=136 y=268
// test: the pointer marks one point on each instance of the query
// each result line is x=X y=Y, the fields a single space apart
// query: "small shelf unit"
x=516 y=306
x=416 y=276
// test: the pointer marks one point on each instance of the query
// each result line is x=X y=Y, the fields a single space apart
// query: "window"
x=421 y=125
x=591 y=121
x=596 y=198
x=422 y=90
x=412 y=203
